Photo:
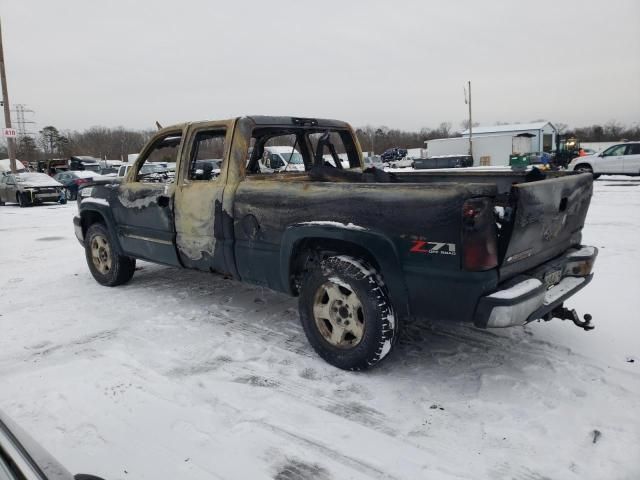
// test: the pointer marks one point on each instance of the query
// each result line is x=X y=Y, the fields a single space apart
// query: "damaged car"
x=365 y=251
x=30 y=188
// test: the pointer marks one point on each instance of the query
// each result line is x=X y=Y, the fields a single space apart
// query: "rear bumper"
x=536 y=293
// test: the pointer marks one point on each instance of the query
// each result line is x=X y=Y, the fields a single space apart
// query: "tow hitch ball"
x=565 y=314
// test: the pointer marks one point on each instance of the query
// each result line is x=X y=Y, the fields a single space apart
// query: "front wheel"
x=22 y=200
x=346 y=314
x=107 y=266
x=584 y=168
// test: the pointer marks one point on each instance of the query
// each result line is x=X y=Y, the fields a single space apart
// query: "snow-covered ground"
x=186 y=375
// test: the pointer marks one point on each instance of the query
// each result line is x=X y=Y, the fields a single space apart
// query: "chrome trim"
x=140 y=237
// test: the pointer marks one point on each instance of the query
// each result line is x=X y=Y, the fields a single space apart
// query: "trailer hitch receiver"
x=564 y=313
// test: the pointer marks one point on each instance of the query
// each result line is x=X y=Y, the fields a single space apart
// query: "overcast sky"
x=402 y=64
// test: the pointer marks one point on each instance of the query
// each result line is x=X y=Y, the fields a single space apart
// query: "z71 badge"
x=439 y=248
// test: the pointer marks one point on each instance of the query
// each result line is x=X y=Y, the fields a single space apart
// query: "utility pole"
x=470 y=121
x=11 y=146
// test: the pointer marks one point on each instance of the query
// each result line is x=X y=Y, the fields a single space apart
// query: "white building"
x=543 y=134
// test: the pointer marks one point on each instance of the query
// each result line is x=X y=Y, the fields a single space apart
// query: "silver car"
x=28 y=189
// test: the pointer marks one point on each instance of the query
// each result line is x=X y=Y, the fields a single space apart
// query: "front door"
x=611 y=160
x=199 y=217
x=144 y=210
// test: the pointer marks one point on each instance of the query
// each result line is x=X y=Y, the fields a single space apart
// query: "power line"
x=21 y=124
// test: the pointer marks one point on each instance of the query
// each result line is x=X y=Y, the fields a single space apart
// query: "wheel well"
x=88 y=218
x=583 y=165
x=308 y=251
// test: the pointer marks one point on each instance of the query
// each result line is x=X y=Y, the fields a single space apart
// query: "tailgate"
x=547 y=218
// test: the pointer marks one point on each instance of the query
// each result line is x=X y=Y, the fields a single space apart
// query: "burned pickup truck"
x=364 y=250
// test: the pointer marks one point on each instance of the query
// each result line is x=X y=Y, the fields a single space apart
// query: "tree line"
x=116 y=143
x=99 y=142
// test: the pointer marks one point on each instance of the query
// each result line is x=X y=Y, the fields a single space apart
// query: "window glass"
x=615 y=150
x=206 y=155
x=633 y=149
x=159 y=165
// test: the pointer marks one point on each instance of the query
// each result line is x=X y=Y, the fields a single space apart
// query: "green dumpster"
x=518 y=160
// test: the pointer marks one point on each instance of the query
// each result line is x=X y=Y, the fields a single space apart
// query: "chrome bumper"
x=535 y=294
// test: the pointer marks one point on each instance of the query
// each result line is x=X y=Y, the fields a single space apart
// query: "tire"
x=346 y=313
x=70 y=195
x=585 y=168
x=22 y=200
x=107 y=266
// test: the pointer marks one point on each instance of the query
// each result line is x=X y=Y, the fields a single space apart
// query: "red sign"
x=9 y=132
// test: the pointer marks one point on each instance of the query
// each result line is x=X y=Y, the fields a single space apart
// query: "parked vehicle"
x=5 y=166
x=83 y=162
x=24 y=459
x=206 y=169
x=443 y=161
x=392 y=154
x=73 y=180
x=29 y=188
x=373 y=161
x=620 y=159
x=159 y=169
x=280 y=159
x=405 y=162
x=364 y=252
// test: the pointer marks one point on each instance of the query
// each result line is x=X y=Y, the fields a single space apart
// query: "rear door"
x=632 y=159
x=198 y=198
x=548 y=219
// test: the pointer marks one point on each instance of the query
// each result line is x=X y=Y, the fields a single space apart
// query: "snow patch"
x=356 y=264
x=347 y=226
x=341 y=283
x=98 y=201
x=518 y=290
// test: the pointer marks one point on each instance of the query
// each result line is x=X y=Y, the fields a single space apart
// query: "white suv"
x=621 y=159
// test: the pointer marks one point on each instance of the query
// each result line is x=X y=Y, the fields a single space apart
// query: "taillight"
x=80 y=181
x=479 y=237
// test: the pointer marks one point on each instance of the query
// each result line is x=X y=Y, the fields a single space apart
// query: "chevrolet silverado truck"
x=364 y=250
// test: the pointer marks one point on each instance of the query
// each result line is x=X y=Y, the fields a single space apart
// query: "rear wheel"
x=346 y=313
x=107 y=266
